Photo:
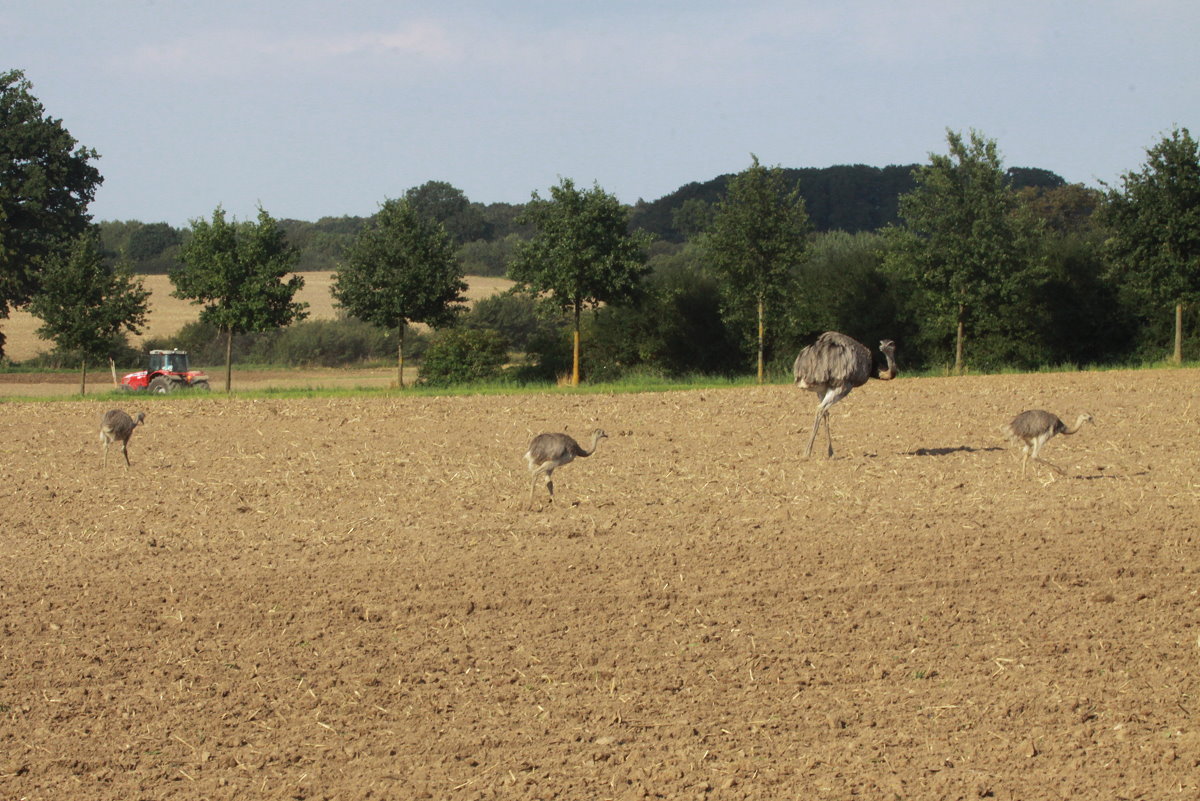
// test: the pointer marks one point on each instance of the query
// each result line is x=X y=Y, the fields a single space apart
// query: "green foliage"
x=504 y=219
x=582 y=254
x=482 y=257
x=463 y=355
x=120 y=351
x=1154 y=226
x=440 y=202
x=674 y=326
x=236 y=271
x=86 y=307
x=1085 y=323
x=969 y=252
x=46 y=183
x=401 y=269
x=1065 y=210
x=841 y=287
x=334 y=343
x=693 y=217
x=154 y=247
x=149 y=241
x=533 y=329
x=324 y=343
x=516 y=316
x=148 y=248
x=1020 y=178
x=757 y=239
x=323 y=244
x=847 y=198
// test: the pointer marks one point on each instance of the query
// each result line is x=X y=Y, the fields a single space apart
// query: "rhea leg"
x=533 y=486
x=822 y=417
x=831 y=396
x=815 y=430
x=546 y=473
x=1037 y=455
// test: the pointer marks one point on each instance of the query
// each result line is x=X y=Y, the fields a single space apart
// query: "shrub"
x=513 y=315
x=119 y=351
x=324 y=343
x=463 y=355
x=333 y=343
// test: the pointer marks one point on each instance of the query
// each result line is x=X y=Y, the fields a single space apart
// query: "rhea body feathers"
x=833 y=366
x=1034 y=428
x=549 y=451
x=117 y=426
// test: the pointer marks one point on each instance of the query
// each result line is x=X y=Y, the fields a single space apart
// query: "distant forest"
x=850 y=198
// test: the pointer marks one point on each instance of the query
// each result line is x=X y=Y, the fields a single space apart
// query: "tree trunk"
x=575 y=351
x=1178 y=333
x=958 y=347
x=83 y=378
x=761 y=332
x=229 y=360
x=400 y=357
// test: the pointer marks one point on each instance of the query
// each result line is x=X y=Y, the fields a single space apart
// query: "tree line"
x=839 y=198
x=964 y=262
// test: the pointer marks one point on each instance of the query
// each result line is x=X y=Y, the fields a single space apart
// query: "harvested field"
x=347 y=598
x=169 y=314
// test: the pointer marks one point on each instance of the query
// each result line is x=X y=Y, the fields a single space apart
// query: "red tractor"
x=167 y=372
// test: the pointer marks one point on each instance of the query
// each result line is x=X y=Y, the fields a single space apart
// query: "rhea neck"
x=596 y=437
x=886 y=373
x=1079 y=421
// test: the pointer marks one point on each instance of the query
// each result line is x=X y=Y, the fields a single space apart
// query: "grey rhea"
x=550 y=451
x=117 y=426
x=834 y=365
x=1034 y=428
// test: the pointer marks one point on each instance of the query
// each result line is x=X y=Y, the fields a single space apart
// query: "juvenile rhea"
x=1034 y=428
x=116 y=426
x=550 y=451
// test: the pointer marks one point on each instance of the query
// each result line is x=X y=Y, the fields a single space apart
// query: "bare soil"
x=348 y=598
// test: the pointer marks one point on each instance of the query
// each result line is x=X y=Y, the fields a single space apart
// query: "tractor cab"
x=168 y=361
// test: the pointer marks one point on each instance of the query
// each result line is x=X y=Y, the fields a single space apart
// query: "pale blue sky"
x=322 y=109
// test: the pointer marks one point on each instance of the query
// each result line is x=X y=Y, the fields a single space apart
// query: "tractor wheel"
x=161 y=385
x=202 y=385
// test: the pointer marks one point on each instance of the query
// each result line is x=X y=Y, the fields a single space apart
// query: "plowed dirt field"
x=348 y=598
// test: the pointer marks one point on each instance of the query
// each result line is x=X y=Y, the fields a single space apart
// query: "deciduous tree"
x=237 y=271
x=85 y=305
x=47 y=181
x=965 y=242
x=401 y=269
x=581 y=254
x=1154 y=222
x=757 y=238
